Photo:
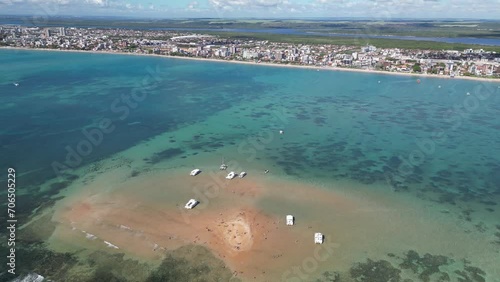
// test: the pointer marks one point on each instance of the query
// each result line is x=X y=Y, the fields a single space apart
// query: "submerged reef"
x=35 y=257
x=103 y=266
x=191 y=263
x=409 y=267
x=426 y=266
x=165 y=155
x=188 y=263
x=497 y=234
x=329 y=276
x=435 y=268
x=375 y=271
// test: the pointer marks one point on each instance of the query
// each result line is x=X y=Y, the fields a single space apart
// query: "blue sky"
x=380 y=9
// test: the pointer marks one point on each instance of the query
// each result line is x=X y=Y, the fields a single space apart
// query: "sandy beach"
x=243 y=223
x=318 y=68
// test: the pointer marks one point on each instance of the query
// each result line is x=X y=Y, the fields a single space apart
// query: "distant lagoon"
x=290 y=31
x=463 y=40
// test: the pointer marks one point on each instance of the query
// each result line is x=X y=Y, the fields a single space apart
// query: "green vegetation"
x=423 y=28
x=417 y=68
x=428 y=28
x=132 y=47
x=349 y=41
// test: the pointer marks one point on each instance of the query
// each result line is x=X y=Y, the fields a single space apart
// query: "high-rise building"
x=62 y=31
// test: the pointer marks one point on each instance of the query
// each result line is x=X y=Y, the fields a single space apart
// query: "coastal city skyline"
x=373 y=9
x=453 y=63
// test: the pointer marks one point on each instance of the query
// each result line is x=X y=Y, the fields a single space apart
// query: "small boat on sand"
x=223 y=166
x=231 y=175
x=318 y=238
x=191 y=204
x=195 y=172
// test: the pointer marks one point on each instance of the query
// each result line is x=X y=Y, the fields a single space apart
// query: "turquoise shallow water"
x=435 y=139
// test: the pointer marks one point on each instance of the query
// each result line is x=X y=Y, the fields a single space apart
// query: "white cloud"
x=97 y=2
x=74 y=3
x=193 y=5
x=380 y=9
x=10 y=2
x=240 y=4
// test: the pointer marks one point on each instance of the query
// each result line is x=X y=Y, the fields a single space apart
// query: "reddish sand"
x=243 y=222
x=141 y=221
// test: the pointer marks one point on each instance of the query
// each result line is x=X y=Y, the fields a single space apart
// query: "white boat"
x=15 y=84
x=231 y=175
x=191 y=204
x=195 y=172
x=110 y=245
x=318 y=238
x=281 y=131
x=223 y=166
x=290 y=220
x=242 y=174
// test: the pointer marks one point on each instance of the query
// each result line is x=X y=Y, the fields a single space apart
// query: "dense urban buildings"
x=444 y=62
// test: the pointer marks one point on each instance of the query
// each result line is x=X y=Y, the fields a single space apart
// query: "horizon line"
x=255 y=18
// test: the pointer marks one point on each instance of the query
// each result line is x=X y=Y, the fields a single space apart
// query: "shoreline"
x=497 y=80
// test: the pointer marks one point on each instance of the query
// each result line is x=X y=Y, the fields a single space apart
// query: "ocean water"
x=433 y=140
